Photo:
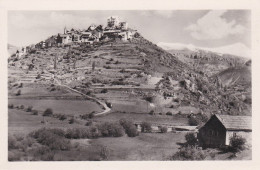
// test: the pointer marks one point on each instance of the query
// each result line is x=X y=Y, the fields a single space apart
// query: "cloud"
x=213 y=26
x=161 y=13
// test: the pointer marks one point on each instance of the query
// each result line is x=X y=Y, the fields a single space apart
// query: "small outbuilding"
x=218 y=130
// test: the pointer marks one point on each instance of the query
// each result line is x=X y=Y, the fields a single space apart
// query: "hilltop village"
x=115 y=29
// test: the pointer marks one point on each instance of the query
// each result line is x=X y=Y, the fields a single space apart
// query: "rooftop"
x=235 y=122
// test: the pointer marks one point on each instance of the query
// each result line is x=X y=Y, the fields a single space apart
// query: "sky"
x=204 y=28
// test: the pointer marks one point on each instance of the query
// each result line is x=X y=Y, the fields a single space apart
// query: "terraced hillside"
x=132 y=70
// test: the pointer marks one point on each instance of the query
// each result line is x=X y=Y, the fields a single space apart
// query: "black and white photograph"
x=129 y=85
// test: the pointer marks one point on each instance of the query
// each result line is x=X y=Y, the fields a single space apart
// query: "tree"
x=55 y=62
x=129 y=127
x=93 y=66
x=191 y=139
x=237 y=143
x=146 y=127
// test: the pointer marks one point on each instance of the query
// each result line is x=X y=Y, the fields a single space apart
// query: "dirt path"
x=106 y=108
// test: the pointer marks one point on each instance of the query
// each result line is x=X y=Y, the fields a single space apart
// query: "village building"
x=64 y=38
x=113 y=21
x=218 y=130
x=124 y=25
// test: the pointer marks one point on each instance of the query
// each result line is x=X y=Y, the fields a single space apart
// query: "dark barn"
x=218 y=130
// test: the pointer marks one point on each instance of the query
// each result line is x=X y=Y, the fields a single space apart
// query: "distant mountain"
x=237 y=49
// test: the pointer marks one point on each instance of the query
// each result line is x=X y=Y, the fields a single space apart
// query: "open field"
x=146 y=146
x=21 y=122
x=68 y=107
x=116 y=116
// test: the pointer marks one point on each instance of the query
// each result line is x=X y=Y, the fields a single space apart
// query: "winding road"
x=105 y=107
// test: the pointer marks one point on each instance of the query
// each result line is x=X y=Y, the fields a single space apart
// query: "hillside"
x=139 y=68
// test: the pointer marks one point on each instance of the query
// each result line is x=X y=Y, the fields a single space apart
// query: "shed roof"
x=235 y=122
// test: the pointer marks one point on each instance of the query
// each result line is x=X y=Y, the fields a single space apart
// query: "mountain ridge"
x=237 y=49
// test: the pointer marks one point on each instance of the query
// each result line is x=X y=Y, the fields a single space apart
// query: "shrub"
x=104 y=91
x=129 y=127
x=104 y=153
x=63 y=117
x=35 y=112
x=10 y=106
x=192 y=121
x=43 y=153
x=197 y=120
x=108 y=129
x=18 y=93
x=169 y=113
x=78 y=133
x=21 y=107
x=164 y=129
x=88 y=123
x=11 y=142
x=237 y=143
x=21 y=85
x=71 y=121
x=151 y=112
x=189 y=153
x=146 y=127
x=29 y=109
x=48 y=112
x=149 y=98
x=52 y=138
x=191 y=139
x=91 y=115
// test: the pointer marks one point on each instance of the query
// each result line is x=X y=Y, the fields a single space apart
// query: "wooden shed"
x=218 y=130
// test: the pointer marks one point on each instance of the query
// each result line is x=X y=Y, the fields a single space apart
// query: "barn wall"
x=212 y=134
x=246 y=135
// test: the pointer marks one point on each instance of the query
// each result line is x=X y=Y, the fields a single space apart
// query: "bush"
x=191 y=139
x=104 y=91
x=104 y=153
x=129 y=127
x=43 y=153
x=52 y=138
x=35 y=112
x=197 y=119
x=146 y=127
x=71 y=121
x=169 y=113
x=237 y=143
x=151 y=112
x=21 y=107
x=10 y=106
x=108 y=129
x=149 y=98
x=189 y=153
x=48 y=112
x=18 y=93
x=29 y=109
x=63 y=117
x=82 y=133
x=164 y=129
x=12 y=142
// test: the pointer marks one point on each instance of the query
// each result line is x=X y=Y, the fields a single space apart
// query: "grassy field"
x=22 y=123
x=116 y=116
x=68 y=107
x=146 y=146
